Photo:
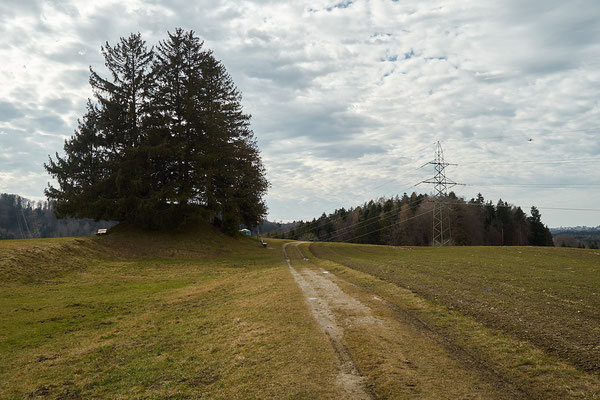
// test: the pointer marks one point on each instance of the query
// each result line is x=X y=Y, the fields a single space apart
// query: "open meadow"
x=202 y=315
x=131 y=315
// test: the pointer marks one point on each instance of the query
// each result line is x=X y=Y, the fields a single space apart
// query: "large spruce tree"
x=540 y=234
x=165 y=142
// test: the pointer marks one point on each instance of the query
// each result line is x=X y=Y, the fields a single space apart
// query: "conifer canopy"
x=164 y=143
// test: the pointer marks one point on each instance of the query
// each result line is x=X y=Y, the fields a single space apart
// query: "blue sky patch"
x=343 y=4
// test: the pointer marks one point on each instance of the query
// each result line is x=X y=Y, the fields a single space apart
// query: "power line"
x=337 y=216
x=463 y=203
x=385 y=227
x=338 y=232
x=533 y=184
x=558 y=161
x=375 y=218
x=442 y=236
x=346 y=229
x=404 y=175
x=460 y=203
x=507 y=162
x=512 y=205
x=521 y=135
x=568 y=209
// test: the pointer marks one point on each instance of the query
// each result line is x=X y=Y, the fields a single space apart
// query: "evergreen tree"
x=167 y=142
x=200 y=109
x=539 y=233
x=103 y=174
x=123 y=103
x=82 y=174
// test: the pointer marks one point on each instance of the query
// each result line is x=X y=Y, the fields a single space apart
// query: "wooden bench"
x=101 y=232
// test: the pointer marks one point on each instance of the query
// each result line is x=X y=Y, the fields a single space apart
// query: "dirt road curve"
x=396 y=358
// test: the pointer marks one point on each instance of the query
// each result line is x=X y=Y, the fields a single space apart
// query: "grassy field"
x=202 y=315
x=132 y=315
x=530 y=314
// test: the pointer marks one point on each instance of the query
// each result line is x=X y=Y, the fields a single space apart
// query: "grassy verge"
x=157 y=316
x=444 y=292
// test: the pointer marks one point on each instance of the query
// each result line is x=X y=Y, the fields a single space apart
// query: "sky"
x=348 y=98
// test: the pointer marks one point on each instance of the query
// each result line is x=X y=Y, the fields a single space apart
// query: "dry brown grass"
x=215 y=321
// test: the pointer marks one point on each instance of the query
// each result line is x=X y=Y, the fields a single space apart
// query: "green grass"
x=148 y=315
x=197 y=314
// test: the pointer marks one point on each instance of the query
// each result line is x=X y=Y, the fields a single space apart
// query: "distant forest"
x=408 y=220
x=582 y=237
x=266 y=227
x=21 y=218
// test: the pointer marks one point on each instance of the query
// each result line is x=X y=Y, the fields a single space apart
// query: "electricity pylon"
x=442 y=235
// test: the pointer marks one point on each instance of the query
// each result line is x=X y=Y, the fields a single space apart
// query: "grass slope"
x=155 y=315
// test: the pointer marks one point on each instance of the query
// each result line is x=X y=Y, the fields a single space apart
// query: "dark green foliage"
x=166 y=143
x=539 y=233
x=407 y=220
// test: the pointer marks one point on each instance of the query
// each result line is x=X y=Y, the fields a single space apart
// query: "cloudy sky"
x=348 y=97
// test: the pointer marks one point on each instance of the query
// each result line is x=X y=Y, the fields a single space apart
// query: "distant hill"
x=568 y=229
x=21 y=218
x=576 y=236
x=266 y=227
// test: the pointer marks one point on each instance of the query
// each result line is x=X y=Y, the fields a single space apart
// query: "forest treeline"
x=21 y=218
x=572 y=237
x=407 y=220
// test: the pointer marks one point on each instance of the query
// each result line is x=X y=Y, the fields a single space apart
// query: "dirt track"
x=381 y=354
x=319 y=292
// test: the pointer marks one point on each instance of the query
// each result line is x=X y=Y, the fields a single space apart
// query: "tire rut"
x=349 y=378
x=463 y=355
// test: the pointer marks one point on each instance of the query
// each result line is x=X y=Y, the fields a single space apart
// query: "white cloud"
x=347 y=97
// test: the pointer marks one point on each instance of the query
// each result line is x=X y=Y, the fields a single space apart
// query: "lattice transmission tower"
x=442 y=234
